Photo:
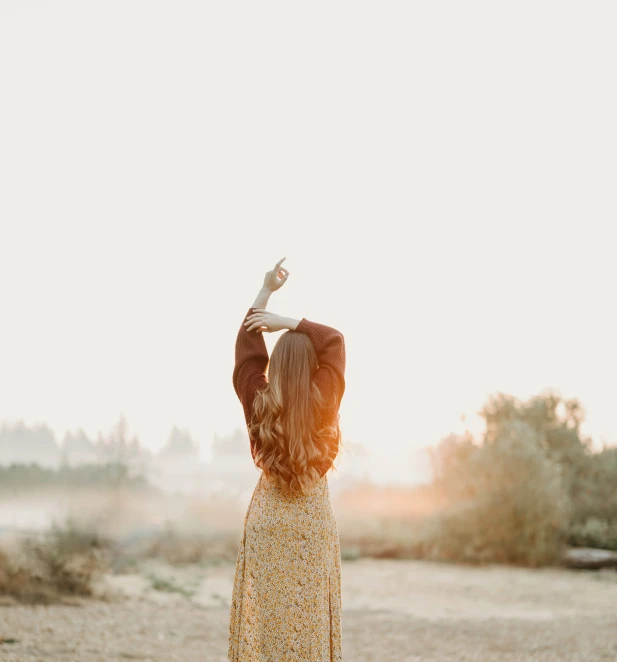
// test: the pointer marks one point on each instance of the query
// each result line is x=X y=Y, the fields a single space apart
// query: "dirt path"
x=393 y=612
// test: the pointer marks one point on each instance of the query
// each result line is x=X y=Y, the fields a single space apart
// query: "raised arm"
x=250 y=365
x=251 y=354
x=329 y=346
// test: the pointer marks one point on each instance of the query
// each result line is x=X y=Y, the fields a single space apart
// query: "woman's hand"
x=276 y=278
x=261 y=320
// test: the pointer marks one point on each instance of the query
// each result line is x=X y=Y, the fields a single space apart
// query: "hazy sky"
x=441 y=177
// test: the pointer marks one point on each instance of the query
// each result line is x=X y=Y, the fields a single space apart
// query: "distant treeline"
x=37 y=444
x=20 y=478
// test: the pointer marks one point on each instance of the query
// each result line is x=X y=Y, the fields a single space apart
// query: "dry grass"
x=178 y=548
x=113 y=532
x=50 y=567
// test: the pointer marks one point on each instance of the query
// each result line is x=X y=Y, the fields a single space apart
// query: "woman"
x=286 y=601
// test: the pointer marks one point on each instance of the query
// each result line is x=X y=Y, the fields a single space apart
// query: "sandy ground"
x=394 y=611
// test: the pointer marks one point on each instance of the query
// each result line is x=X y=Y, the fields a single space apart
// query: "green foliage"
x=594 y=532
x=507 y=500
x=556 y=422
x=167 y=585
x=596 y=488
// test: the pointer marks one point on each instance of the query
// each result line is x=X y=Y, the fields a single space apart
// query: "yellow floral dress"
x=286 y=600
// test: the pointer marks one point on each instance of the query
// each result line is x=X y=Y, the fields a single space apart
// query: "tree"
x=179 y=444
x=236 y=443
x=20 y=443
x=77 y=448
x=116 y=448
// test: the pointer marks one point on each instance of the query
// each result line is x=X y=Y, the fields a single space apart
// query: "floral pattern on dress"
x=286 y=600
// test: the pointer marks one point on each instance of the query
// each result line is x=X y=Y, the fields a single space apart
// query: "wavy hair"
x=296 y=425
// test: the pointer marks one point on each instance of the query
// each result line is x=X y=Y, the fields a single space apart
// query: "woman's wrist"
x=261 y=300
x=291 y=323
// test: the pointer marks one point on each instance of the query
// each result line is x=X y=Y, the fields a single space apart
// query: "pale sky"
x=441 y=177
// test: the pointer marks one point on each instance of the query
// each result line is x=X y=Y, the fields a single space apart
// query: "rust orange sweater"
x=249 y=373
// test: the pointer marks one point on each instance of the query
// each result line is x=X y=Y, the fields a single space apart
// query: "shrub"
x=61 y=562
x=180 y=547
x=507 y=501
x=594 y=532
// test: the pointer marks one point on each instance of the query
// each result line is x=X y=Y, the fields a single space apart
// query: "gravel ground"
x=394 y=611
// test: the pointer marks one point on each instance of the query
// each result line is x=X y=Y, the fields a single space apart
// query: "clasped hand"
x=262 y=320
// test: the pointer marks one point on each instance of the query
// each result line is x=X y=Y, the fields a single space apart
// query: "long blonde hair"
x=296 y=426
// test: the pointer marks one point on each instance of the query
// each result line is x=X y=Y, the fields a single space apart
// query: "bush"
x=507 y=501
x=179 y=547
x=588 y=478
x=596 y=497
x=594 y=532
x=62 y=562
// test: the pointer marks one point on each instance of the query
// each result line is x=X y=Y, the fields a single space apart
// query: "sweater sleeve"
x=330 y=349
x=249 y=374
